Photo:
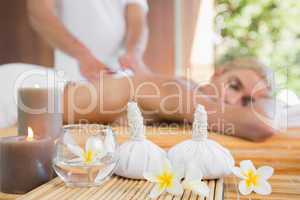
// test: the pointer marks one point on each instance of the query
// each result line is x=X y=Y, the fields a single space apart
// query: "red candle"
x=25 y=163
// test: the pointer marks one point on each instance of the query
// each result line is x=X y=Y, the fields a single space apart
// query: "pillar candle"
x=25 y=163
x=39 y=108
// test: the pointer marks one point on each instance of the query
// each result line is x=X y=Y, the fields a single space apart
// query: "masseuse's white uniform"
x=100 y=26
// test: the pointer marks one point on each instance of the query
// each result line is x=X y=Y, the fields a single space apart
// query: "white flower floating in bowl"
x=253 y=179
x=94 y=151
x=85 y=156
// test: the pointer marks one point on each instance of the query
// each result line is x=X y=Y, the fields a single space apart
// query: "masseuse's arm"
x=44 y=20
x=106 y=100
x=136 y=26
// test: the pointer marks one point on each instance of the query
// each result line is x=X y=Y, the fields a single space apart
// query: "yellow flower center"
x=88 y=156
x=165 y=180
x=251 y=179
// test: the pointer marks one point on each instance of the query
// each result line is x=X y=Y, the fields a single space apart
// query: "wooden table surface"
x=282 y=152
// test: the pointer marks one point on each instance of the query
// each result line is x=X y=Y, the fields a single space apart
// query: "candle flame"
x=36 y=86
x=30 y=134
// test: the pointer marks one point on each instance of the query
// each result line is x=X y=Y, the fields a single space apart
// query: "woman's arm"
x=178 y=101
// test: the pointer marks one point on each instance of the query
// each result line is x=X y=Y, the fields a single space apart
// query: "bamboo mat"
x=282 y=152
x=115 y=189
x=284 y=187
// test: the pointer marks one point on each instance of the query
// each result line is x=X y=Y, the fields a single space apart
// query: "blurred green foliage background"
x=266 y=29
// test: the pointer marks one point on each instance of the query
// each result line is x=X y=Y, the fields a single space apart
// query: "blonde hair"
x=252 y=64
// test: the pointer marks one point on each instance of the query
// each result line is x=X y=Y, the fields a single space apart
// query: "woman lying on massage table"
x=229 y=99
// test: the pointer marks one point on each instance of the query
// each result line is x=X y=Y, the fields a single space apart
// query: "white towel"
x=280 y=116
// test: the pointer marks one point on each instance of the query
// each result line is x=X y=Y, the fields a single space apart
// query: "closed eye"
x=235 y=84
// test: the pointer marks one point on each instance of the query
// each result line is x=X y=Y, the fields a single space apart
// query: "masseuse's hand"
x=130 y=60
x=135 y=63
x=91 y=67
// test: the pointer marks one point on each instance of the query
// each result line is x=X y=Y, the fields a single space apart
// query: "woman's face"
x=238 y=86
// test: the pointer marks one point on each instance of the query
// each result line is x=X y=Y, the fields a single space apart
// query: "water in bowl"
x=75 y=173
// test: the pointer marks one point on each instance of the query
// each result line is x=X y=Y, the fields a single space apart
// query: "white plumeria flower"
x=193 y=181
x=94 y=150
x=166 y=179
x=252 y=179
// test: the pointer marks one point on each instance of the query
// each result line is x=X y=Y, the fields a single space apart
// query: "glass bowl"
x=85 y=155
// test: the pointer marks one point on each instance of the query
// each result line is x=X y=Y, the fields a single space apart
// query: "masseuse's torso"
x=99 y=25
